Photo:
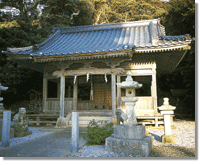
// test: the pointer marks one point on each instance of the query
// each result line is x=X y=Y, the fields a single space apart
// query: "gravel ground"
x=184 y=147
x=36 y=133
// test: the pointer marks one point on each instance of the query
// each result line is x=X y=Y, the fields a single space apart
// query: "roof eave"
x=18 y=57
x=161 y=49
x=87 y=56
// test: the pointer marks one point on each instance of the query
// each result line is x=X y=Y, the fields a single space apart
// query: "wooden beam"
x=84 y=71
x=140 y=72
x=62 y=96
x=142 y=65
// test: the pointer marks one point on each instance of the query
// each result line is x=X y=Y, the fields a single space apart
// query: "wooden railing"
x=53 y=104
x=85 y=105
x=144 y=106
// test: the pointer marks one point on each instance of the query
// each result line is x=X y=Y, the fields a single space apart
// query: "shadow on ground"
x=156 y=137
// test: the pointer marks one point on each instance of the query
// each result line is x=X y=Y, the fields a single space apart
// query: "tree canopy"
x=110 y=11
x=181 y=17
x=181 y=20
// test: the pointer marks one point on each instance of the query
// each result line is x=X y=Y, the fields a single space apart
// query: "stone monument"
x=129 y=138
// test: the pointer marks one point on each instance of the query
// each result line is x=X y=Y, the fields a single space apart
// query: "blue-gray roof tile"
x=103 y=38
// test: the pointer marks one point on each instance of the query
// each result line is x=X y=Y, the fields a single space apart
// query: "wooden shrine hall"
x=81 y=66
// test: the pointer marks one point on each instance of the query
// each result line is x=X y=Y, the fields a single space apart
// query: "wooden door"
x=102 y=94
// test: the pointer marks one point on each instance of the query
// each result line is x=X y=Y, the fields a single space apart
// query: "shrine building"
x=82 y=64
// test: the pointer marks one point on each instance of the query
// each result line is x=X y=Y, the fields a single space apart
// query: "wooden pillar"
x=154 y=87
x=118 y=91
x=62 y=95
x=113 y=93
x=45 y=88
x=75 y=95
x=154 y=93
x=92 y=91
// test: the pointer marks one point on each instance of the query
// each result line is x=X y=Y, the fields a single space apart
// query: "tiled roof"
x=138 y=36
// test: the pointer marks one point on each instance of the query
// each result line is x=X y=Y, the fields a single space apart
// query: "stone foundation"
x=129 y=140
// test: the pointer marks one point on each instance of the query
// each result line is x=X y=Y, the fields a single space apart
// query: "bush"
x=21 y=130
x=97 y=132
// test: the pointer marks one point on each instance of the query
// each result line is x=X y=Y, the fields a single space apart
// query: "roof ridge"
x=105 y=26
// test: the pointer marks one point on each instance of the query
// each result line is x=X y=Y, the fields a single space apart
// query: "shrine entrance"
x=94 y=94
x=102 y=92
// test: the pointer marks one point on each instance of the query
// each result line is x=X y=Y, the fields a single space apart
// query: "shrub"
x=97 y=132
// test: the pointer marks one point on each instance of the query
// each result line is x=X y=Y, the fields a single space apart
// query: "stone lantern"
x=2 y=88
x=130 y=99
x=167 y=110
x=129 y=138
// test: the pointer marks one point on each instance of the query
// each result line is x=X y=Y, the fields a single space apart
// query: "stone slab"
x=129 y=132
x=135 y=147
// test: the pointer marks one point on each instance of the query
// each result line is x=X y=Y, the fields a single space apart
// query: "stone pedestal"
x=130 y=119
x=129 y=140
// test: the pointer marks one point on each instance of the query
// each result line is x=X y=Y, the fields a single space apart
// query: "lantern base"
x=168 y=139
x=129 y=140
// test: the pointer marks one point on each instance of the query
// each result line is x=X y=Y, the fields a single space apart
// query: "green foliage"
x=11 y=73
x=67 y=13
x=110 y=11
x=96 y=134
x=180 y=18
x=21 y=131
x=28 y=12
